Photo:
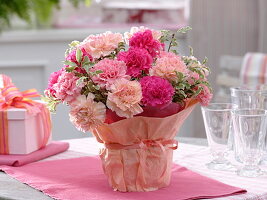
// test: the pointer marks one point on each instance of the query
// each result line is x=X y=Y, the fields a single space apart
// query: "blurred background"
x=35 y=33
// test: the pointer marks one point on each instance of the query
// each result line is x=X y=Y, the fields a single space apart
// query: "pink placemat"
x=83 y=178
x=18 y=160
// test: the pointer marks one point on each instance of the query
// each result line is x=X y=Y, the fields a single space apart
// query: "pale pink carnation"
x=125 y=97
x=101 y=44
x=156 y=91
x=167 y=66
x=111 y=71
x=137 y=60
x=127 y=35
x=66 y=88
x=86 y=114
x=146 y=41
x=192 y=77
x=205 y=96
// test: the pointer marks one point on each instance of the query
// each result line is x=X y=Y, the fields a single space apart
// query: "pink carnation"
x=137 y=60
x=125 y=97
x=205 y=96
x=66 y=88
x=156 y=91
x=145 y=40
x=127 y=35
x=53 y=79
x=111 y=71
x=86 y=114
x=167 y=66
x=101 y=44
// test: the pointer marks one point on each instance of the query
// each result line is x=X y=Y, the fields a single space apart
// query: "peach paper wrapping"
x=140 y=169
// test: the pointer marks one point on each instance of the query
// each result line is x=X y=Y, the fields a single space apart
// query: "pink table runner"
x=18 y=160
x=83 y=178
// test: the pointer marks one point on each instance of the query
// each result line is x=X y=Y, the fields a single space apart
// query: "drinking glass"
x=217 y=121
x=250 y=131
x=249 y=97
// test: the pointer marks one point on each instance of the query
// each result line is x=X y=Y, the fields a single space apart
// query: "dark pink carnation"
x=146 y=41
x=53 y=80
x=156 y=91
x=72 y=57
x=137 y=60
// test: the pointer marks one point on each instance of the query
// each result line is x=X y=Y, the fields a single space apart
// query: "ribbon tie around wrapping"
x=143 y=167
x=145 y=144
x=10 y=97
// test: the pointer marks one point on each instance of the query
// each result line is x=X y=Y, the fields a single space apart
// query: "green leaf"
x=88 y=66
x=205 y=61
x=98 y=71
x=69 y=63
x=191 y=51
x=97 y=87
x=86 y=60
x=184 y=29
x=69 y=69
x=95 y=73
x=198 y=91
x=78 y=55
x=182 y=93
x=51 y=103
x=174 y=51
x=67 y=52
x=179 y=75
x=80 y=80
x=74 y=43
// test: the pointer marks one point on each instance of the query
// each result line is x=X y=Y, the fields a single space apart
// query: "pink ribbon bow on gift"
x=10 y=97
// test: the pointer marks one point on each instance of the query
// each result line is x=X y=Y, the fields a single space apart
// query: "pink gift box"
x=25 y=131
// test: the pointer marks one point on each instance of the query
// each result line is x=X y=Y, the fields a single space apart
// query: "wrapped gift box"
x=26 y=131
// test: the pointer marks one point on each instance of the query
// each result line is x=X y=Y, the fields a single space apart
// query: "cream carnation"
x=167 y=66
x=101 y=44
x=86 y=114
x=125 y=97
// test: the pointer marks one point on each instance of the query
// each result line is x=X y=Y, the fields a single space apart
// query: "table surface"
x=192 y=153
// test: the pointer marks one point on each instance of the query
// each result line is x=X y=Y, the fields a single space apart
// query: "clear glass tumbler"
x=250 y=131
x=253 y=97
x=217 y=121
x=249 y=97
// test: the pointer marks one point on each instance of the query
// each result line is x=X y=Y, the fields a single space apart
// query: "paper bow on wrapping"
x=11 y=97
x=145 y=144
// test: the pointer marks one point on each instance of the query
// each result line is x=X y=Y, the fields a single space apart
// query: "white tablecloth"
x=191 y=156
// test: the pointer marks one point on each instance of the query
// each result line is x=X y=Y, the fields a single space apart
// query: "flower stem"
x=170 y=45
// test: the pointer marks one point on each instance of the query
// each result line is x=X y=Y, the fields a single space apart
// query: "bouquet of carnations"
x=133 y=92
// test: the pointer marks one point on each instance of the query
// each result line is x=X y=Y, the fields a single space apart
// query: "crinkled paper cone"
x=141 y=169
